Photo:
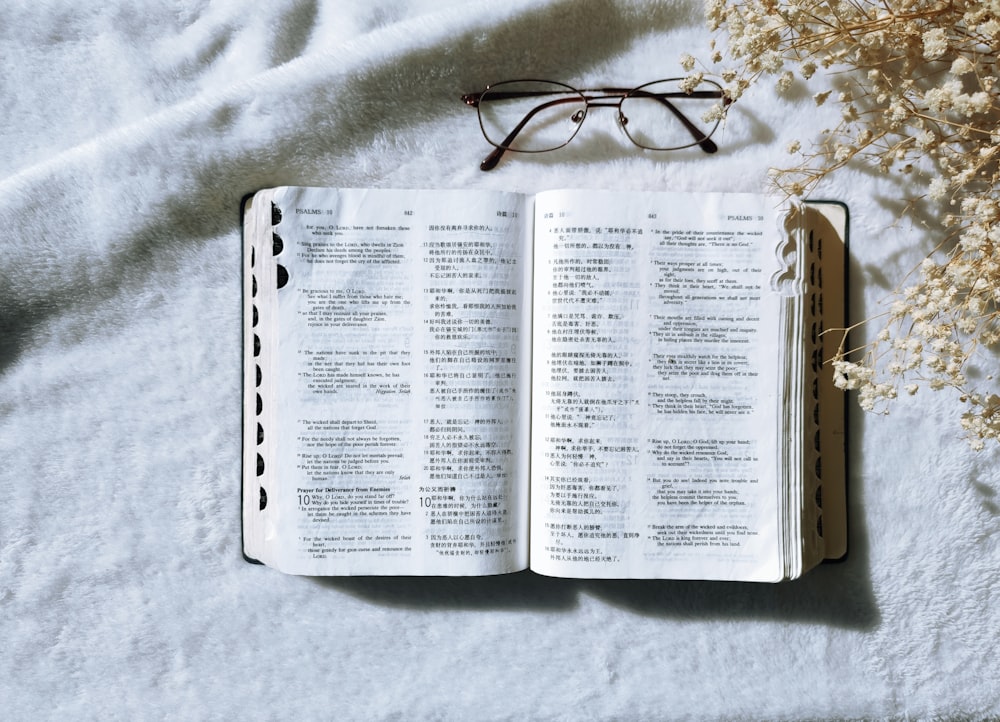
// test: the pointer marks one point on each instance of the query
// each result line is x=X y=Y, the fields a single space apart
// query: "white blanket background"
x=129 y=133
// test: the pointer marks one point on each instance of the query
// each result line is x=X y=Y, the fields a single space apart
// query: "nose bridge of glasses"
x=606 y=98
x=603 y=101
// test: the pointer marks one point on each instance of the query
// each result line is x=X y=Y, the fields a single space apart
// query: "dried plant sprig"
x=917 y=85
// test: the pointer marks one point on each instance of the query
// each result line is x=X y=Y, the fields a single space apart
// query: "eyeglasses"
x=534 y=116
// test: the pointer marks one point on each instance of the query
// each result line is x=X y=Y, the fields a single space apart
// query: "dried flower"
x=935 y=43
x=785 y=81
x=916 y=81
x=691 y=82
x=962 y=66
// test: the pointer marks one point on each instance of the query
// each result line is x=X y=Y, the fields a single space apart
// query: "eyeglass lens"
x=661 y=116
x=541 y=115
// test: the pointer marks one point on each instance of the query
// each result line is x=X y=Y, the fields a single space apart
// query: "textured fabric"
x=129 y=134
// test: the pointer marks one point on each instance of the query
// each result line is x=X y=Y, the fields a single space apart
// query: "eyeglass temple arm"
x=490 y=161
x=473 y=99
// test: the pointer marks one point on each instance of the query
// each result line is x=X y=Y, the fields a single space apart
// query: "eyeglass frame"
x=700 y=139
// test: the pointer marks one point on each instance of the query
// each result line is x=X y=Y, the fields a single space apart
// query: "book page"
x=400 y=434
x=655 y=443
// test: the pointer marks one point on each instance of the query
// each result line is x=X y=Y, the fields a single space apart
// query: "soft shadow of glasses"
x=534 y=116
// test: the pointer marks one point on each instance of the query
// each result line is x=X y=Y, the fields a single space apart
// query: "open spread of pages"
x=592 y=384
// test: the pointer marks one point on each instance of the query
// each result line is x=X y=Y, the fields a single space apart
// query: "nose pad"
x=622 y=120
x=578 y=116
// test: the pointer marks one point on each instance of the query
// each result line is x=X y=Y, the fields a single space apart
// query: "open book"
x=584 y=383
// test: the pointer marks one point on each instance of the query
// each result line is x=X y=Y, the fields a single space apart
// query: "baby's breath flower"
x=962 y=66
x=942 y=98
x=938 y=189
x=990 y=28
x=785 y=81
x=935 y=43
x=692 y=81
x=916 y=82
x=969 y=105
x=716 y=112
x=898 y=112
x=926 y=139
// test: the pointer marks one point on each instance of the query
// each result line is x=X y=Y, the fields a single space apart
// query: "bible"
x=590 y=384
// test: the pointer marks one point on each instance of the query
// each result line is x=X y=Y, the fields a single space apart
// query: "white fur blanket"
x=129 y=133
